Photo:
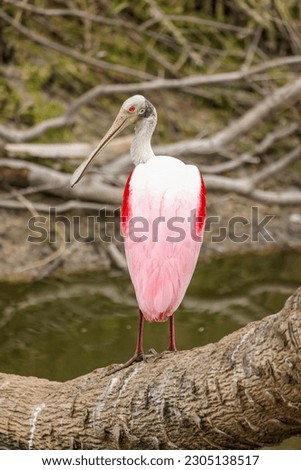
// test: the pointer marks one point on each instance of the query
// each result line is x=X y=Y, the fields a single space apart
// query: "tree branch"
x=246 y=186
x=74 y=150
x=59 y=208
x=276 y=167
x=21 y=173
x=210 y=23
x=16 y=135
x=70 y=12
x=158 y=14
x=282 y=96
x=243 y=392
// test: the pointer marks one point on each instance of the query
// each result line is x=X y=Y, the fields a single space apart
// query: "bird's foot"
x=138 y=357
x=117 y=367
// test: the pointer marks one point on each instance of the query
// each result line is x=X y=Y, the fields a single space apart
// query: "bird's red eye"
x=132 y=108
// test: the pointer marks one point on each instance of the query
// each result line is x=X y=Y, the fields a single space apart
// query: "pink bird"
x=162 y=219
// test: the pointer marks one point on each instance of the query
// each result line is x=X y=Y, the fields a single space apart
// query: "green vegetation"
x=177 y=39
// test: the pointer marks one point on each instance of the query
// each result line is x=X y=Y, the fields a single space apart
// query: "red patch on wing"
x=125 y=212
x=201 y=210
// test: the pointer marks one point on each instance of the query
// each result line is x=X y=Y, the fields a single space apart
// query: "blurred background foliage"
x=133 y=41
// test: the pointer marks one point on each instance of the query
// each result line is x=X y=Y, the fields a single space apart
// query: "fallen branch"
x=67 y=51
x=244 y=186
x=243 y=392
x=58 y=208
x=289 y=91
x=73 y=150
x=216 y=144
x=276 y=167
x=76 y=151
x=22 y=173
x=247 y=186
x=94 y=188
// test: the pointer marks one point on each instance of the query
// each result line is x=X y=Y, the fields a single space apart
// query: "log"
x=23 y=173
x=243 y=392
x=96 y=187
x=70 y=151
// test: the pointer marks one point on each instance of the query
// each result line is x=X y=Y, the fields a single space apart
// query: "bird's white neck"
x=141 y=149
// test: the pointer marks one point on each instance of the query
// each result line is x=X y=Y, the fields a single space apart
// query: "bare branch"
x=250 y=157
x=277 y=166
x=156 y=55
x=211 y=23
x=15 y=135
x=31 y=190
x=94 y=187
x=186 y=48
x=280 y=198
x=70 y=12
x=275 y=135
x=252 y=49
x=227 y=166
x=56 y=151
x=59 y=208
x=30 y=174
x=216 y=144
x=246 y=186
x=288 y=93
x=70 y=151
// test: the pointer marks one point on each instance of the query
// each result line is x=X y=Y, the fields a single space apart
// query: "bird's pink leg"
x=139 y=345
x=138 y=355
x=172 y=334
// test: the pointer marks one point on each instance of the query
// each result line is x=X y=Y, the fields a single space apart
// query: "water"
x=62 y=328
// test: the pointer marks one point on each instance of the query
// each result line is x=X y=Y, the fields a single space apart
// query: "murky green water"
x=62 y=328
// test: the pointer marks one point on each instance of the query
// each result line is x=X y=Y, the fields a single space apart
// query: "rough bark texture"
x=243 y=392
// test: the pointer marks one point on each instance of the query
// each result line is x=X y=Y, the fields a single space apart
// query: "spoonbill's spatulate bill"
x=162 y=218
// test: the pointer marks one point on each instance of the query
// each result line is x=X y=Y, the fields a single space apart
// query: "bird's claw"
x=138 y=357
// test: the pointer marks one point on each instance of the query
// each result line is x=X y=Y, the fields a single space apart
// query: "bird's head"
x=132 y=110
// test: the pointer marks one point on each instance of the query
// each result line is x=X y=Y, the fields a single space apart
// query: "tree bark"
x=243 y=392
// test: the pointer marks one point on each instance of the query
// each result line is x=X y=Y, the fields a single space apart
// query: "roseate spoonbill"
x=162 y=219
